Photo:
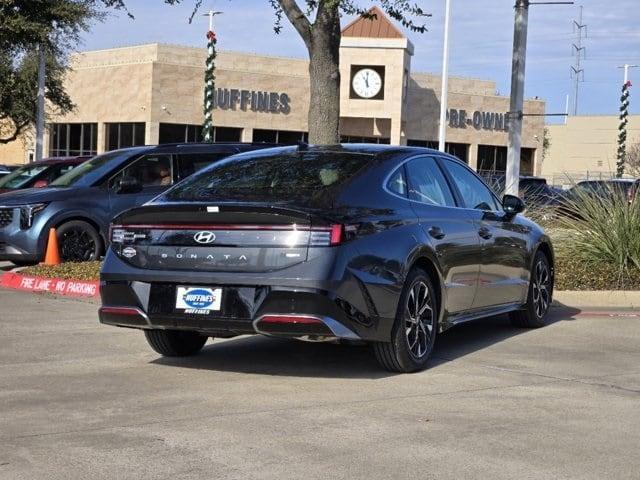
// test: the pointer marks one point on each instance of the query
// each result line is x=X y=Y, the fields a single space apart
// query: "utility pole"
x=624 y=120
x=577 y=71
x=444 y=94
x=516 y=105
x=40 y=102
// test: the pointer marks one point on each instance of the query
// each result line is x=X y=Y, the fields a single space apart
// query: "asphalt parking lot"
x=82 y=401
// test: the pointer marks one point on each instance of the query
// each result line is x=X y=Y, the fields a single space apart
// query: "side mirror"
x=512 y=205
x=40 y=184
x=128 y=185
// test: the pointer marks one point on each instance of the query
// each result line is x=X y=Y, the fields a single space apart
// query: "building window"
x=179 y=133
x=123 y=135
x=357 y=139
x=72 y=139
x=460 y=150
x=227 y=134
x=185 y=133
x=285 y=137
x=494 y=159
x=526 y=161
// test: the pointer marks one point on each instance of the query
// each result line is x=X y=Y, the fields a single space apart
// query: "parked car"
x=81 y=203
x=4 y=171
x=533 y=190
x=39 y=174
x=625 y=186
x=388 y=245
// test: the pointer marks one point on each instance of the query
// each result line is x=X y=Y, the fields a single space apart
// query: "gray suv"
x=81 y=203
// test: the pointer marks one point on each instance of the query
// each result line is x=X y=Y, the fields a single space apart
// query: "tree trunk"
x=324 y=78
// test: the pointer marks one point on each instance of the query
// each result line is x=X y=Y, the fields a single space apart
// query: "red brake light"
x=290 y=319
x=337 y=234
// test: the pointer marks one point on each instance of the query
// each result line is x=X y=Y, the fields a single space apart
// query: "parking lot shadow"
x=479 y=334
x=273 y=356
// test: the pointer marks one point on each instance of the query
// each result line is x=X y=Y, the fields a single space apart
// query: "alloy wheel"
x=541 y=289
x=77 y=244
x=419 y=319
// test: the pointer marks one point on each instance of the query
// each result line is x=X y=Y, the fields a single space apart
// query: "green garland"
x=209 y=88
x=622 y=129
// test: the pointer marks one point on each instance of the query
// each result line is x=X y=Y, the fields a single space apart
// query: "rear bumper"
x=312 y=327
x=146 y=299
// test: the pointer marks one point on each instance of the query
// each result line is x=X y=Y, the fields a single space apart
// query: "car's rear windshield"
x=75 y=174
x=308 y=178
x=21 y=176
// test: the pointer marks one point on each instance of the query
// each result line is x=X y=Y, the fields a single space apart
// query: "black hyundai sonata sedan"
x=387 y=245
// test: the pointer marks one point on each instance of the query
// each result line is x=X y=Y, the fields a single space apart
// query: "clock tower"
x=375 y=63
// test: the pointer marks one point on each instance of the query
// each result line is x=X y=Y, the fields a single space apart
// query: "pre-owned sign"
x=479 y=120
x=268 y=102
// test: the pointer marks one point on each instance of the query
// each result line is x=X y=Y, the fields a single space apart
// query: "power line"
x=579 y=51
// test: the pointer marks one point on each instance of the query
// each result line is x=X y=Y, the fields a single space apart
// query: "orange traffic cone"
x=52 y=256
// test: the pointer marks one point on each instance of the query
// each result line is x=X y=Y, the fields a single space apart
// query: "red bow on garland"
x=211 y=35
x=628 y=84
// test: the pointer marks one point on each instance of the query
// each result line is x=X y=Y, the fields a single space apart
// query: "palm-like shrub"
x=602 y=228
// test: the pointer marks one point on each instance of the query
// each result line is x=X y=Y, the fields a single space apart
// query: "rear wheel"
x=414 y=329
x=79 y=242
x=175 y=343
x=534 y=313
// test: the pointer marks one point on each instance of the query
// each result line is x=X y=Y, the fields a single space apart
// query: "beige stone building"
x=153 y=94
x=585 y=147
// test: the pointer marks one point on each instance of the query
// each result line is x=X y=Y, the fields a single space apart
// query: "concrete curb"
x=597 y=299
x=30 y=283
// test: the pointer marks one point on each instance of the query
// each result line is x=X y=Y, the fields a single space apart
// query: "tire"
x=411 y=342
x=175 y=343
x=79 y=242
x=23 y=263
x=535 y=312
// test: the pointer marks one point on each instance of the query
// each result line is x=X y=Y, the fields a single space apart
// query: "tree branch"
x=297 y=19
x=16 y=133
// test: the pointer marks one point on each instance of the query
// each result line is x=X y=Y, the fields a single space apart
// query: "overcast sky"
x=482 y=33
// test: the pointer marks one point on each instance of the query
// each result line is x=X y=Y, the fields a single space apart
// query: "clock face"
x=366 y=83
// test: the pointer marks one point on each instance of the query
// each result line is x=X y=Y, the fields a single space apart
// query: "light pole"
x=445 y=79
x=516 y=105
x=40 y=102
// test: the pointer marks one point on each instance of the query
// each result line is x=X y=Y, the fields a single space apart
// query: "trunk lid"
x=228 y=237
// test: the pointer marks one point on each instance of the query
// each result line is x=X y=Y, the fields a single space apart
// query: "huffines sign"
x=237 y=99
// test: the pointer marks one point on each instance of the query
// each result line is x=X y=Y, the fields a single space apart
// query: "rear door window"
x=427 y=183
x=475 y=194
x=189 y=163
x=150 y=170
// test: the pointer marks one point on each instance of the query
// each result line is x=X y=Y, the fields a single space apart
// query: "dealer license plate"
x=198 y=300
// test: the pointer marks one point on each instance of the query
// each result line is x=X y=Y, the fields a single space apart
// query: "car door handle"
x=485 y=233
x=436 y=232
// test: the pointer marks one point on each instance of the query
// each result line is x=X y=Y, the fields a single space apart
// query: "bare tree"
x=632 y=160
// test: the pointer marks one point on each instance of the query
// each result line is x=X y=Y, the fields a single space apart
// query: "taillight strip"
x=219 y=226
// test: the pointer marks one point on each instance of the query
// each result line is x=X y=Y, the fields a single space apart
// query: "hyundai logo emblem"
x=205 y=237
